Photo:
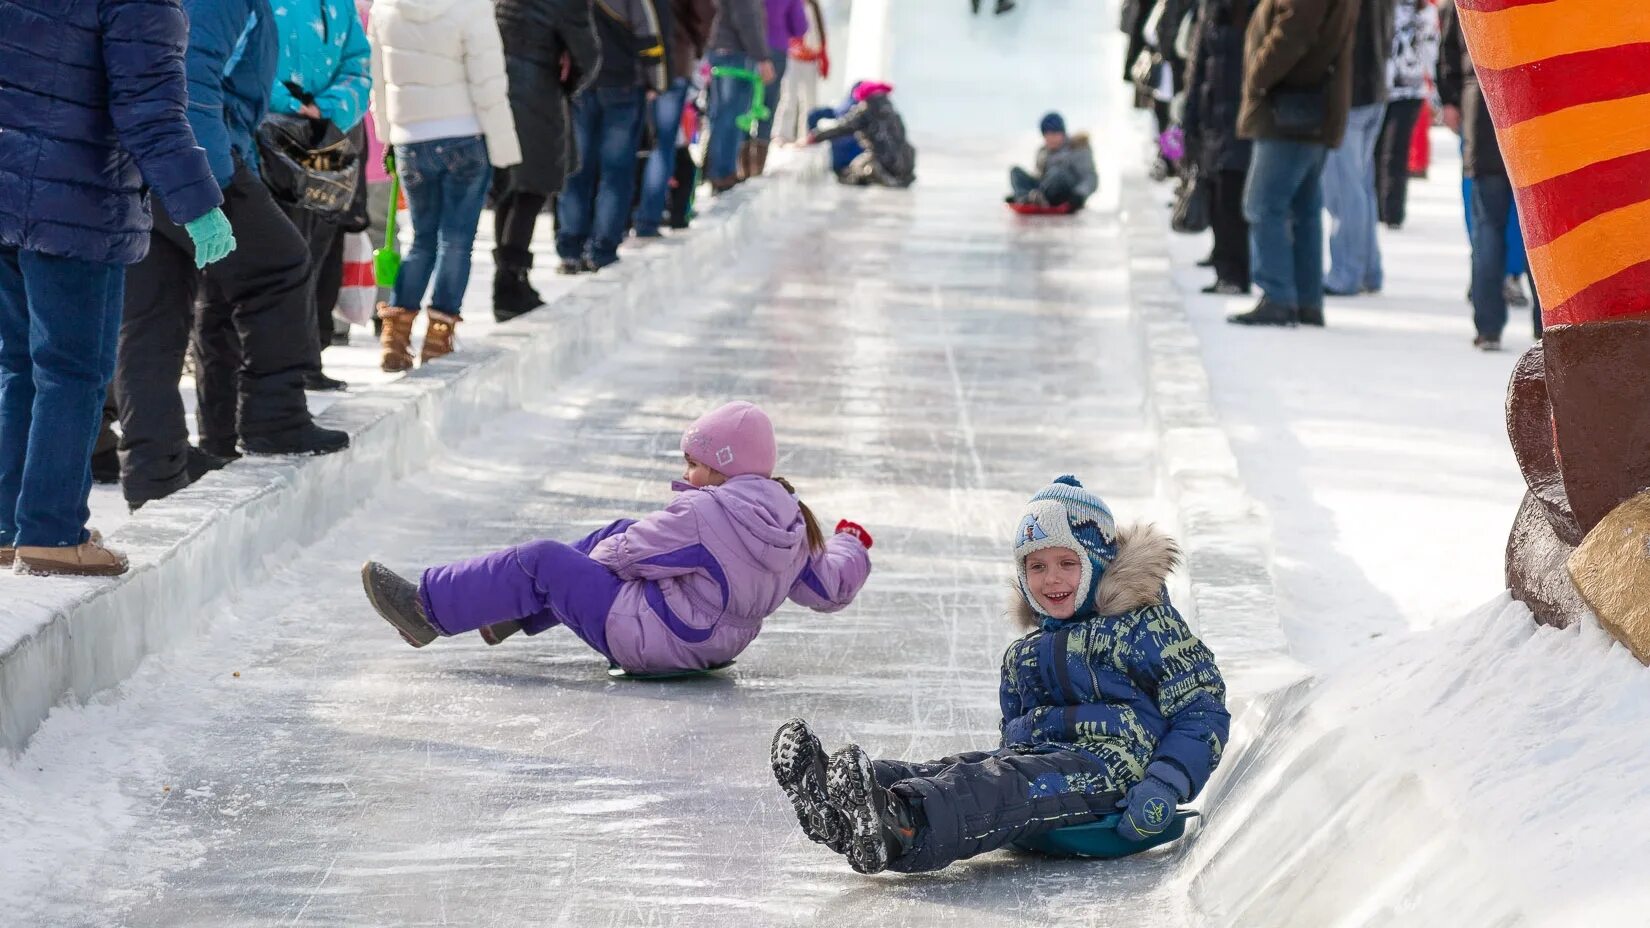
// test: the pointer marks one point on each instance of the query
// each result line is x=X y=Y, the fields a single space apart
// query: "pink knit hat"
x=736 y=439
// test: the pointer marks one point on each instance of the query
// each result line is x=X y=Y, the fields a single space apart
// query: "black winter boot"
x=879 y=826
x=396 y=599
x=1267 y=312
x=498 y=631
x=513 y=293
x=799 y=766
x=308 y=438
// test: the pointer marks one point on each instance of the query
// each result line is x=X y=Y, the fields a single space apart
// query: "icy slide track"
x=285 y=760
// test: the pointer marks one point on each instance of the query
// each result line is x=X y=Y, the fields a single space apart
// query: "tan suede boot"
x=7 y=554
x=757 y=162
x=438 y=338
x=91 y=559
x=396 y=339
x=744 y=160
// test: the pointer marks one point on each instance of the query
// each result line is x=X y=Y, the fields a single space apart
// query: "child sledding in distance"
x=683 y=589
x=1110 y=703
x=1065 y=174
x=888 y=159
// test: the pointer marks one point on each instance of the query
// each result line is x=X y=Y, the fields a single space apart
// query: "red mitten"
x=855 y=529
x=824 y=64
x=799 y=50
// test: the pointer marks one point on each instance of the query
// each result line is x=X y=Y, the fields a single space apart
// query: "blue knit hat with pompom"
x=1064 y=515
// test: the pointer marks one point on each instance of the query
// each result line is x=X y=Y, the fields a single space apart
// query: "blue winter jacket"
x=92 y=99
x=324 y=50
x=233 y=49
x=1132 y=686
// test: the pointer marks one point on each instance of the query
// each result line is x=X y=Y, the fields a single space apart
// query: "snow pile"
x=1487 y=772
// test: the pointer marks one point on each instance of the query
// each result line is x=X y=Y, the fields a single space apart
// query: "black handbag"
x=308 y=163
x=1191 y=204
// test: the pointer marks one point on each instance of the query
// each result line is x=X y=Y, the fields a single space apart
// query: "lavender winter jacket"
x=722 y=559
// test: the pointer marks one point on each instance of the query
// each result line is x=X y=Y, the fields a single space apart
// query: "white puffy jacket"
x=438 y=72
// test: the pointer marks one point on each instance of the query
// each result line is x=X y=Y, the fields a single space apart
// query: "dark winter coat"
x=1371 y=52
x=1073 y=161
x=741 y=26
x=93 y=108
x=536 y=34
x=690 y=22
x=1132 y=686
x=1458 y=87
x=1214 y=87
x=1298 y=45
x=632 y=35
x=881 y=131
x=233 y=50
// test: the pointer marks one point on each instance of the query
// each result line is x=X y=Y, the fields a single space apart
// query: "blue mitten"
x=213 y=237
x=1149 y=806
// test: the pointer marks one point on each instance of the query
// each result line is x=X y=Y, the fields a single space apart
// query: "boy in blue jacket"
x=1110 y=703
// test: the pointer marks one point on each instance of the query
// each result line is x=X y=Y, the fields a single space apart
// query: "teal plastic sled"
x=619 y=673
x=1100 y=839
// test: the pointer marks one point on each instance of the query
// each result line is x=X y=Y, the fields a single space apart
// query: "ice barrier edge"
x=79 y=637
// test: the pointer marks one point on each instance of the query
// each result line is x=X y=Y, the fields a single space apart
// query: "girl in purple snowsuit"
x=686 y=588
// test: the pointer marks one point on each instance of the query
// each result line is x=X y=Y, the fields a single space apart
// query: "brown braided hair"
x=816 y=538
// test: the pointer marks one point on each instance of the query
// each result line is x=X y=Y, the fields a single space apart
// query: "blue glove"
x=213 y=237
x=1149 y=807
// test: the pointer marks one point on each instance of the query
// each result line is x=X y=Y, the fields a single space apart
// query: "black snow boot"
x=1268 y=312
x=879 y=826
x=513 y=293
x=308 y=438
x=396 y=599
x=498 y=631
x=799 y=766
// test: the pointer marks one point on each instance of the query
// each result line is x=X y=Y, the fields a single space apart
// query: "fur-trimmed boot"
x=438 y=337
x=878 y=825
x=798 y=762
x=396 y=338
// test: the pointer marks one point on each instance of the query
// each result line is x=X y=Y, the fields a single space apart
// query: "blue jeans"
x=729 y=99
x=1518 y=259
x=1349 y=195
x=1283 y=201
x=595 y=201
x=770 y=92
x=661 y=165
x=1492 y=200
x=59 y=328
x=446 y=182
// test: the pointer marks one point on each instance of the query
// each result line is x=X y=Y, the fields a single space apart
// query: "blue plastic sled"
x=619 y=673
x=1100 y=839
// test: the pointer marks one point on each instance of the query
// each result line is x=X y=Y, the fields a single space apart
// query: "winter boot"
x=513 y=294
x=757 y=161
x=799 y=766
x=744 y=160
x=396 y=599
x=878 y=827
x=308 y=438
x=396 y=338
x=8 y=556
x=438 y=337
x=721 y=185
x=498 y=631
x=1268 y=312
x=90 y=559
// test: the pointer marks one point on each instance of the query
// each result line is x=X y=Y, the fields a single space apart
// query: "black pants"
x=977 y=802
x=514 y=217
x=252 y=347
x=1231 y=251
x=1392 y=160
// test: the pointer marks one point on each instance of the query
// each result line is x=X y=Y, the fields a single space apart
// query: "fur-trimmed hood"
x=1145 y=558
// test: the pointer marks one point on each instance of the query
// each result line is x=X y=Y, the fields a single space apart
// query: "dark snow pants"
x=542 y=584
x=977 y=802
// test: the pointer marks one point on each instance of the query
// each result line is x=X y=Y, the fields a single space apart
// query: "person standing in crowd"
x=787 y=23
x=550 y=54
x=1214 y=92
x=1349 y=171
x=738 y=39
x=323 y=74
x=1467 y=113
x=440 y=99
x=260 y=291
x=593 y=211
x=1297 y=89
x=690 y=22
x=810 y=63
x=93 y=111
x=1414 y=59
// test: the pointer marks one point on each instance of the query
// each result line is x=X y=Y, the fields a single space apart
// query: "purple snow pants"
x=542 y=584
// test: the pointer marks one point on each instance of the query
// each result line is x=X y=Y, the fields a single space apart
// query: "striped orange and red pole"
x=1568 y=86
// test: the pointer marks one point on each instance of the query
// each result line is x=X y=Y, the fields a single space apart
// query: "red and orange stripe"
x=1568 y=85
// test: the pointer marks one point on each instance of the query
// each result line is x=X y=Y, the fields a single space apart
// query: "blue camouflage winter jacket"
x=232 y=54
x=324 y=50
x=1131 y=687
x=92 y=110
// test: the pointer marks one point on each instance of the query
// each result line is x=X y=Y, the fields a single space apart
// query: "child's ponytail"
x=816 y=538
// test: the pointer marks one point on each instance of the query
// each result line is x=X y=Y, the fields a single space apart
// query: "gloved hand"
x=213 y=237
x=824 y=64
x=1150 y=805
x=855 y=529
